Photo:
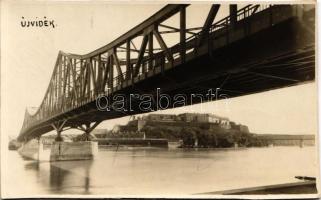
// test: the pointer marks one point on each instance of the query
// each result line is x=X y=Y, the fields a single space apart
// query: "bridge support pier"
x=66 y=151
x=83 y=149
x=33 y=149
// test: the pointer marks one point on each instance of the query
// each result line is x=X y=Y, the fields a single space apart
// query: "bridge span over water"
x=253 y=49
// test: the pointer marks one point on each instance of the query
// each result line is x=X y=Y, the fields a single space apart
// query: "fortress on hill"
x=201 y=120
x=192 y=129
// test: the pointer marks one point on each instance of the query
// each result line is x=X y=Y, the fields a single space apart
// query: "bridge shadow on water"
x=64 y=177
x=70 y=175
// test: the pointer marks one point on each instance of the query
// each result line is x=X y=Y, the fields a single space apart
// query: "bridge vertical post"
x=128 y=64
x=87 y=133
x=111 y=74
x=59 y=80
x=271 y=15
x=233 y=14
x=99 y=73
x=89 y=72
x=182 y=33
x=150 y=51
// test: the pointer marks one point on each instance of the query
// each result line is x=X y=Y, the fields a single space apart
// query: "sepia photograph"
x=141 y=99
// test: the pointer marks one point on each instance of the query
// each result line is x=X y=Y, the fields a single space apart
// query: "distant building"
x=239 y=127
x=204 y=121
x=160 y=117
x=206 y=118
x=99 y=133
x=140 y=124
x=116 y=128
x=288 y=140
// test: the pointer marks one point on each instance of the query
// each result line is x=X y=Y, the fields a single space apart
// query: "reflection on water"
x=32 y=166
x=60 y=172
x=57 y=177
x=137 y=171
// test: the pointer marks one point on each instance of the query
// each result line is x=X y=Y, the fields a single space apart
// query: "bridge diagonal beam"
x=255 y=9
x=97 y=74
x=106 y=73
x=150 y=50
x=75 y=90
x=91 y=128
x=116 y=60
x=208 y=22
x=87 y=128
x=100 y=70
x=92 y=74
x=141 y=54
x=67 y=67
x=132 y=43
x=83 y=80
x=58 y=126
x=86 y=79
x=163 y=45
x=128 y=63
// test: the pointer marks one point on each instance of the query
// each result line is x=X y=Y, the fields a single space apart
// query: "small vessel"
x=14 y=145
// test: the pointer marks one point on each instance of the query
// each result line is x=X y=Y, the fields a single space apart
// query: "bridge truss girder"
x=79 y=79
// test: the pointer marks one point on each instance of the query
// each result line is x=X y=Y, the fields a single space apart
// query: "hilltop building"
x=203 y=120
x=193 y=118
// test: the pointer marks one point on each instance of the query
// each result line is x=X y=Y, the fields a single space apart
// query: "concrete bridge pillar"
x=83 y=149
x=33 y=149
x=66 y=151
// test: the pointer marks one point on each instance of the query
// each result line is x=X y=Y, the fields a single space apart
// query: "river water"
x=152 y=171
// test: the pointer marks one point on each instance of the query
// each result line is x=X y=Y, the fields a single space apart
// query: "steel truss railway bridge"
x=255 y=48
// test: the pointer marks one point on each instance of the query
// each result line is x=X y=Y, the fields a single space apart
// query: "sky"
x=29 y=54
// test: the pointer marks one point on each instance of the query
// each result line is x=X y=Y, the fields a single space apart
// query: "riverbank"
x=152 y=142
